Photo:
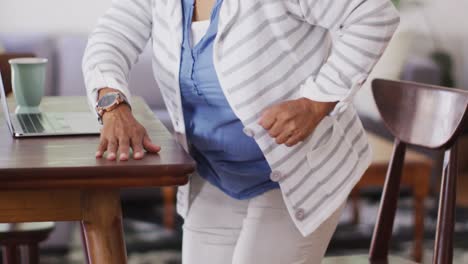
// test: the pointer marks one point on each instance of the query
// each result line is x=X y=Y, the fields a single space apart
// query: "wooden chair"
x=427 y=116
x=21 y=241
x=415 y=176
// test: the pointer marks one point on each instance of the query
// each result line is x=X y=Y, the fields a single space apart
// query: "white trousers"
x=221 y=230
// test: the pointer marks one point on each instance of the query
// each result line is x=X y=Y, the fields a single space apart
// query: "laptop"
x=48 y=123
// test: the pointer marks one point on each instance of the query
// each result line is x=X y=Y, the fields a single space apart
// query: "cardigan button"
x=300 y=214
x=249 y=132
x=276 y=176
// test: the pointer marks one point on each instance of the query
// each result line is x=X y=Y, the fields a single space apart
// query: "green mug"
x=28 y=80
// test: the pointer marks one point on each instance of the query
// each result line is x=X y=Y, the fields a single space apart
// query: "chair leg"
x=355 y=206
x=418 y=228
x=11 y=254
x=388 y=205
x=421 y=189
x=32 y=253
x=443 y=247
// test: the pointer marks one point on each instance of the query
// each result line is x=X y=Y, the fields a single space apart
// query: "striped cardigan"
x=266 y=52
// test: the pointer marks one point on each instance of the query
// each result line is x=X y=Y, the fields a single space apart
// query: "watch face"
x=107 y=100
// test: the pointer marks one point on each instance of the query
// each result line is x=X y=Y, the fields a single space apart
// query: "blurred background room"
x=430 y=46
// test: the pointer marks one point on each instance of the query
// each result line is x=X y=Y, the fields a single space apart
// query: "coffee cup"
x=28 y=80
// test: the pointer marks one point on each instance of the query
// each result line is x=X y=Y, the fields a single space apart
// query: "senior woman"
x=263 y=92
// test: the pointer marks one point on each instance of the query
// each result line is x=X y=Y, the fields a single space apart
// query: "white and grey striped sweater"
x=266 y=51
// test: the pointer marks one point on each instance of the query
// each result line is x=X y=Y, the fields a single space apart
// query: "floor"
x=150 y=244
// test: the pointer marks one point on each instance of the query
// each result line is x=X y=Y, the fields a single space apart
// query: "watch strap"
x=120 y=99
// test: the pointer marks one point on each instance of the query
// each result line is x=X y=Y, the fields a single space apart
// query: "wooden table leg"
x=102 y=224
x=83 y=243
x=169 y=194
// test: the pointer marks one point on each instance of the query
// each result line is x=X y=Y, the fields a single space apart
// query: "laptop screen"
x=5 y=109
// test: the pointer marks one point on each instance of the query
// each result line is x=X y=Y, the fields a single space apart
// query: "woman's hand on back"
x=122 y=132
x=293 y=121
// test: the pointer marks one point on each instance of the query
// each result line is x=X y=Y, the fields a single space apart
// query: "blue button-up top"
x=225 y=156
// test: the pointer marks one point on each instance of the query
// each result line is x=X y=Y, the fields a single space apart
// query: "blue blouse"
x=225 y=156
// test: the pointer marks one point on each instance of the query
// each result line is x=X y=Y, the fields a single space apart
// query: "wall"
x=55 y=16
x=447 y=17
x=448 y=22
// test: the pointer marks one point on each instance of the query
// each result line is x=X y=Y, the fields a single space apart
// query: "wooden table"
x=59 y=179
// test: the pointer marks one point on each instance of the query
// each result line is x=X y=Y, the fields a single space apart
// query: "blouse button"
x=249 y=132
x=276 y=176
x=300 y=214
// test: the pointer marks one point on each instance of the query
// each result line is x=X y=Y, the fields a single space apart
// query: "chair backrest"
x=427 y=116
x=6 y=70
x=420 y=114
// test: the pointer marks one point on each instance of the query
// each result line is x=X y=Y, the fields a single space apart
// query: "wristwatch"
x=109 y=102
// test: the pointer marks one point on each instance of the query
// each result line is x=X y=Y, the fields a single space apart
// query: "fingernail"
x=111 y=156
x=138 y=155
x=123 y=156
x=98 y=153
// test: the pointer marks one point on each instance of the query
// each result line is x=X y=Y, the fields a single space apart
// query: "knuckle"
x=134 y=130
x=281 y=116
x=137 y=147
x=140 y=129
x=138 y=141
x=121 y=133
x=296 y=124
x=266 y=113
x=301 y=137
x=124 y=141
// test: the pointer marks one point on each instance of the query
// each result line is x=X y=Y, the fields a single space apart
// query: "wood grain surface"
x=69 y=162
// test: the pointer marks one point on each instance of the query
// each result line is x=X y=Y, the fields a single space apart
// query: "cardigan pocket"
x=331 y=153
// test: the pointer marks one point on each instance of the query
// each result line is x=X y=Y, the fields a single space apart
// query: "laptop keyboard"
x=31 y=123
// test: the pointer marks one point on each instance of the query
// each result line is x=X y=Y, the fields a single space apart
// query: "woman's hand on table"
x=120 y=132
x=293 y=121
